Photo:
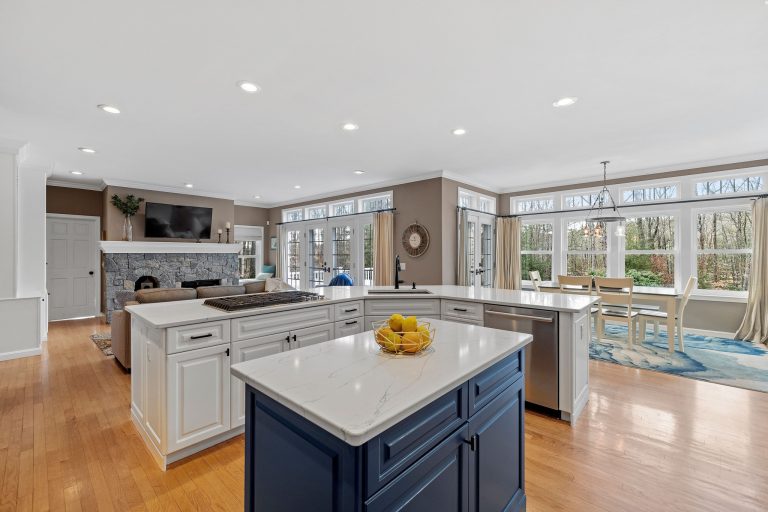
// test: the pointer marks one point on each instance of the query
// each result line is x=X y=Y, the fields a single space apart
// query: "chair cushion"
x=256 y=287
x=653 y=314
x=151 y=295
x=617 y=314
x=224 y=290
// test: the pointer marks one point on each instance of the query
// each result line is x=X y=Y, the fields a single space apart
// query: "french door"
x=319 y=250
x=481 y=246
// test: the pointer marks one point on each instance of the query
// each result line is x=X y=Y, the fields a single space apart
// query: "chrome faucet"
x=397 y=272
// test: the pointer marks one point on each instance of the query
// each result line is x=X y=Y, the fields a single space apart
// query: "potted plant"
x=128 y=207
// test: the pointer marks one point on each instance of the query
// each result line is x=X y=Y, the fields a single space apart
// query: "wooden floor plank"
x=646 y=441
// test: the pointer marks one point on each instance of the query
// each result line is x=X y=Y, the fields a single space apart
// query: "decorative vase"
x=127 y=230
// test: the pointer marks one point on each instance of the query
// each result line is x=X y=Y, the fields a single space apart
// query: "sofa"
x=121 y=319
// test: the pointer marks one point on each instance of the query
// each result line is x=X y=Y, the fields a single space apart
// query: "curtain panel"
x=754 y=327
x=462 y=269
x=383 y=250
x=508 y=270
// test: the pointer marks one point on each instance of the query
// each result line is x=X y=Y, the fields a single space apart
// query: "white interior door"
x=72 y=266
x=481 y=245
x=317 y=258
x=341 y=248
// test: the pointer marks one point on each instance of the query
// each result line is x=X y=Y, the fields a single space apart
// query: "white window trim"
x=713 y=177
x=475 y=200
x=515 y=204
x=288 y=211
x=359 y=200
x=542 y=220
x=580 y=192
x=307 y=208
x=355 y=200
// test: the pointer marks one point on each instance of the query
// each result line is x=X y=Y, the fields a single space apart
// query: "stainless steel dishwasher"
x=541 y=356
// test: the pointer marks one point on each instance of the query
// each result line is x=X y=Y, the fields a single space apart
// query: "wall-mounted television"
x=175 y=221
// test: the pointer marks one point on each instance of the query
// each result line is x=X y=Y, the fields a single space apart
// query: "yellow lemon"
x=423 y=330
x=396 y=322
x=393 y=342
x=382 y=333
x=409 y=324
x=411 y=342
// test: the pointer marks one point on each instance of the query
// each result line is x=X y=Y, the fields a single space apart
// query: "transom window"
x=361 y=204
x=724 y=186
x=293 y=215
x=582 y=200
x=650 y=194
x=375 y=203
x=543 y=204
x=316 y=212
x=476 y=201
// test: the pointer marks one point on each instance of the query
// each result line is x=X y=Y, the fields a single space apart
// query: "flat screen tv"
x=174 y=221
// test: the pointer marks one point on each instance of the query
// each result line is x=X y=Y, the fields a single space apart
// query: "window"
x=486 y=204
x=317 y=261
x=251 y=253
x=342 y=250
x=583 y=200
x=316 y=212
x=465 y=199
x=650 y=194
x=368 y=254
x=723 y=186
x=534 y=205
x=476 y=201
x=375 y=203
x=723 y=249
x=536 y=249
x=649 y=254
x=343 y=208
x=586 y=255
x=293 y=253
x=293 y=215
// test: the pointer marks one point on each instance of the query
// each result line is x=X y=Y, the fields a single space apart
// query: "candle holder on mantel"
x=227 y=235
x=219 y=236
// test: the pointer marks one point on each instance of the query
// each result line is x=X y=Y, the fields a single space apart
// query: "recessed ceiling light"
x=86 y=150
x=188 y=185
x=297 y=187
x=257 y=197
x=565 y=102
x=109 y=108
x=359 y=171
x=76 y=173
x=350 y=127
x=248 y=86
x=459 y=131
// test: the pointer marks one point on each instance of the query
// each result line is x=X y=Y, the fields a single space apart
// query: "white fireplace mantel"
x=167 y=248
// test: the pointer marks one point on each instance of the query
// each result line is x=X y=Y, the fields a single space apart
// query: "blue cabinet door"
x=437 y=482
x=496 y=459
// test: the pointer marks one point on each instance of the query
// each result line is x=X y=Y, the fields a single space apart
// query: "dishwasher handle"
x=517 y=316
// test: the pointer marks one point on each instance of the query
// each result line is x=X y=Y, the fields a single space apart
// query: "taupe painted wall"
x=73 y=201
x=223 y=211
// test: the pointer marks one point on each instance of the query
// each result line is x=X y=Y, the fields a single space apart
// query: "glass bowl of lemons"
x=403 y=335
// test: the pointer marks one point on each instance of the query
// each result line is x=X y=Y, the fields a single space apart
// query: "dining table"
x=666 y=296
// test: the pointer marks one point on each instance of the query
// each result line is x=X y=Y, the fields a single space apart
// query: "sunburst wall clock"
x=415 y=240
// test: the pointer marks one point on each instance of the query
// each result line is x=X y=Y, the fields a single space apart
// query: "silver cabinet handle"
x=522 y=317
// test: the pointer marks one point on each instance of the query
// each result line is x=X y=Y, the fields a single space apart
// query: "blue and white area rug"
x=731 y=362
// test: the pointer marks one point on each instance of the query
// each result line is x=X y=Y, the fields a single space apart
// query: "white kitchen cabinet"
x=260 y=325
x=311 y=335
x=582 y=334
x=347 y=310
x=198 y=395
x=247 y=350
x=404 y=306
x=348 y=327
x=462 y=311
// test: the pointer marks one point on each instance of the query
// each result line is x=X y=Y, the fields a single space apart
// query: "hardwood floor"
x=647 y=441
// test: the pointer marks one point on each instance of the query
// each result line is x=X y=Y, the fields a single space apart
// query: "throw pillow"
x=277 y=285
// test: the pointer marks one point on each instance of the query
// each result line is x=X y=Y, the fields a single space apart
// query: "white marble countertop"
x=170 y=314
x=354 y=391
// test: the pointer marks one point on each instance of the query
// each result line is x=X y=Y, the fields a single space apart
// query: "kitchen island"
x=342 y=426
x=184 y=400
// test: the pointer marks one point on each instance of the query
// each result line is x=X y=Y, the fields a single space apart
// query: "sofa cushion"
x=151 y=295
x=269 y=269
x=256 y=287
x=277 y=285
x=205 y=292
x=263 y=276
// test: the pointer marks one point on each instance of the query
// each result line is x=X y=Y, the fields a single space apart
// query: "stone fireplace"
x=131 y=266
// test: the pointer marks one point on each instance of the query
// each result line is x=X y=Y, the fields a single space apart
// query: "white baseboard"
x=5 y=356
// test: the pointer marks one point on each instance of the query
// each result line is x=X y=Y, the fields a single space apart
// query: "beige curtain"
x=508 y=272
x=754 y=327
x=279 y=255
x=462 y=272
x=383 y=250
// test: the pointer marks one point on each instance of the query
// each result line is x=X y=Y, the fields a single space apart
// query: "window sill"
x=720 y=297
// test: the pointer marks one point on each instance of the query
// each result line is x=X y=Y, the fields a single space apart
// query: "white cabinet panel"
x=472 y=311
x=260 y=325
x=311 y=335
x=404 y=306
x=247 y=350
x=348 y=327
x=198 y=395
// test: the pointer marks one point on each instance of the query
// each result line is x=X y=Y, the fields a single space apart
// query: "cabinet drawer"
x=464 y=310
x=489 y=384
x=404 y=306
x=394 y=450
x=348 y=310
x=271 y=323
x=458 y=320
x=188 y=337
x=347 y=327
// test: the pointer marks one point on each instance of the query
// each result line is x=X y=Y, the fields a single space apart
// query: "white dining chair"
x=535 y=279
x=579 y=285
x=615 y=291
x=655 y=317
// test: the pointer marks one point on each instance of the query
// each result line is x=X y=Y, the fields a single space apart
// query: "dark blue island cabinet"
x=461 y=452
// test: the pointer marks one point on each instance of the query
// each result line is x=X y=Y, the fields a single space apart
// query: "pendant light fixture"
x=603 y=210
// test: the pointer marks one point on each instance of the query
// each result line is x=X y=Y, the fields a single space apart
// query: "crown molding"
x=252 y=204
x=14 y=147
x=700 y=167
x=165 y=188
x=472 y=182
x=70 y=184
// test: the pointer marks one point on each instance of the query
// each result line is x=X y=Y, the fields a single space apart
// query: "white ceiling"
x=659 y=82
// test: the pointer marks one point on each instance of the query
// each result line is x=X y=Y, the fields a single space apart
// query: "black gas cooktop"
x=261 y=300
